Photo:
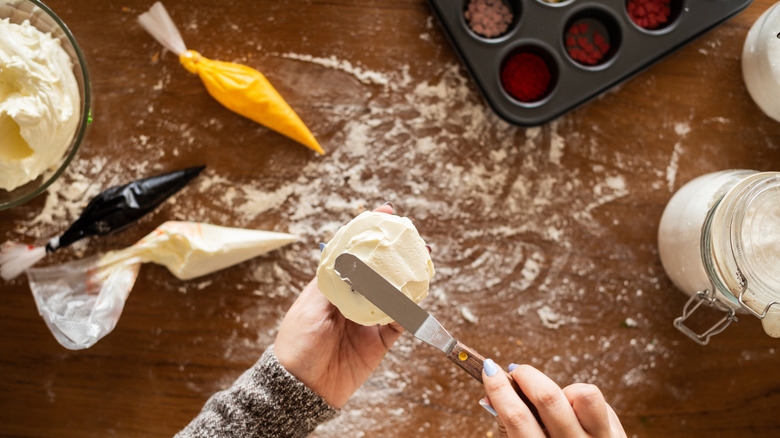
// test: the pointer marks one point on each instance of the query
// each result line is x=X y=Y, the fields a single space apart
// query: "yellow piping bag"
x=239 y=88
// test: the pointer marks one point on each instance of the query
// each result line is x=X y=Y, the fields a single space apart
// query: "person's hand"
x=578 y=410
x=327 y=352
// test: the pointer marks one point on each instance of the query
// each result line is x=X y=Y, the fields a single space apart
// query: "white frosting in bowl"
x=39 y=103
x=391 y=246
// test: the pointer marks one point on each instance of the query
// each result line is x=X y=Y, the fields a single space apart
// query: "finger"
x=390 y=333
x=514 y=414
x=485 y=403
x=614 y=422
x=311 y=296
x=397 y=327
x=553 y=406
x=590 y=408
x=311 y=307
x=386 y=208
x=502 y=433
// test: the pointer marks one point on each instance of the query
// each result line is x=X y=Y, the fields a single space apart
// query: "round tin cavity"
x=491 y=18
x=555 y=2
x=529 y=73
x=591 y=37
x=653 y=15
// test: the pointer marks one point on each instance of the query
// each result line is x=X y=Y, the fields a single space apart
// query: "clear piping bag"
x=81 y=301
x=241 y=89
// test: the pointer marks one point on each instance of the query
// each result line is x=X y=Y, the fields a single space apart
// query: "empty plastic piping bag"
x=241 y=89
x=81 y=301
x=113 y=210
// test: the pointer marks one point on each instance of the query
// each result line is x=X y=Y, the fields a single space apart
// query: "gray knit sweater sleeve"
x=266 y=401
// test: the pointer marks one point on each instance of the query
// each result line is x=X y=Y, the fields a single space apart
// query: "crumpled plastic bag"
x=78 y=310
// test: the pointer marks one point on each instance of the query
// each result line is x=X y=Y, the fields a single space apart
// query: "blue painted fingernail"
x=322 y=247
x=390 y=204
x=488 y=408
x=512 y=366
x=490 y=367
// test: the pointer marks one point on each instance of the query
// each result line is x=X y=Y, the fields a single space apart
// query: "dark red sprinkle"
x=586 y=44
x=526 y=77
x=649 y=14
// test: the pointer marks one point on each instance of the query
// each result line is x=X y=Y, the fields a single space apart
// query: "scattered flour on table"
x=552 y=319
x=557 y=144
x=468 y=315
x=681 y=129
x=365 y=76
x=721 y=120
x=508 y=188
x=631 y=323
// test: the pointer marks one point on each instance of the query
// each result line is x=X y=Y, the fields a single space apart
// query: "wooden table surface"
x=544 y=239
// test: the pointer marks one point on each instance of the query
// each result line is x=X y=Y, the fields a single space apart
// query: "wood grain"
x=544 y=239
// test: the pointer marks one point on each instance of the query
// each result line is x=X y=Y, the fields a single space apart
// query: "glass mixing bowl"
x=40 y=16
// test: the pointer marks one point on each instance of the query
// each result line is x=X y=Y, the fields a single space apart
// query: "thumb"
x=513 y=414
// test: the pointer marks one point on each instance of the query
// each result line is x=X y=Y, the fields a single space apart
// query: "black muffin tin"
x=539 y=27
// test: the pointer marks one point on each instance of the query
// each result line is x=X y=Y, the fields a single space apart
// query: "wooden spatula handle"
x=472 y=362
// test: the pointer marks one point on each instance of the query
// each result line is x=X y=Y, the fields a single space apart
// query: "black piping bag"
x=111 y=211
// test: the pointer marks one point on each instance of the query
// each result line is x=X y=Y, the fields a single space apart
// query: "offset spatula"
x=381 y=293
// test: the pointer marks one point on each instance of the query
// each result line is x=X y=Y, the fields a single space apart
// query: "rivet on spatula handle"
x=472 y=362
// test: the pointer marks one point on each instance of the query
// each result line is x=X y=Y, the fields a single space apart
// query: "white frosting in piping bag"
x=391 y=246
x=193 y=249
x=39 y=103
x=82 y=301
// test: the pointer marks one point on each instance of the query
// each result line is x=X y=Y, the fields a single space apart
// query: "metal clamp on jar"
x=719 y=242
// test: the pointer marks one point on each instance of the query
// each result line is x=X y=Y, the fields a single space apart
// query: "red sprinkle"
x=600 y=42
x=649 y=14
x=586 y=44
x=526 y=77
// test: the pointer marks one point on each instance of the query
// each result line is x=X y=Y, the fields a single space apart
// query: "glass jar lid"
x=745 y=234
x=755 y=237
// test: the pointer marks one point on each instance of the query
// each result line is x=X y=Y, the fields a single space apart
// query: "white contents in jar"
x=391 y=246
x=757 y=253
x=39 y=103
x=680 y=230
x=761 y=62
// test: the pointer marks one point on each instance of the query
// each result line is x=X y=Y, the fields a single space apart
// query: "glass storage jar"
x=719 y=242
x=761 y=62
